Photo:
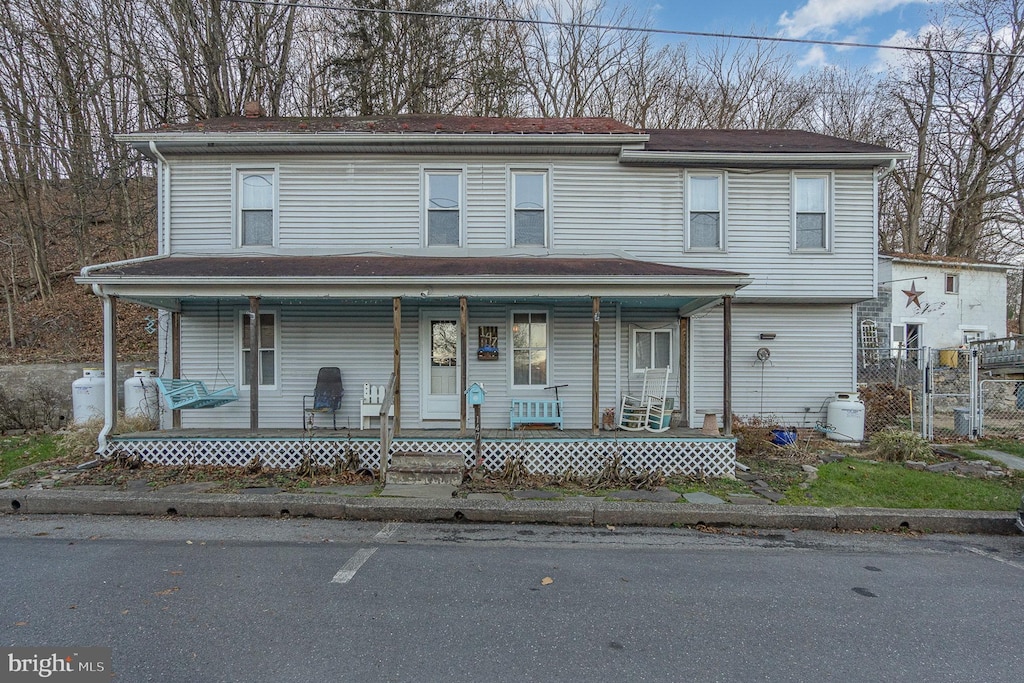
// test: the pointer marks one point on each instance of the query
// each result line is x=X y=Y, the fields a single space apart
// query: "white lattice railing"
x=711 y=457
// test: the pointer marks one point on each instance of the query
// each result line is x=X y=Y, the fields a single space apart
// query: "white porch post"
x=109 y=371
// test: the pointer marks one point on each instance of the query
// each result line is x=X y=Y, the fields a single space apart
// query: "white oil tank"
x=87 y=395
x=846 y=417
x=141 y=395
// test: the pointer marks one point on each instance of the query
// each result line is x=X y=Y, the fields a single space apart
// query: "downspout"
x=109 y=370
x=163 y=199
x=109 y=350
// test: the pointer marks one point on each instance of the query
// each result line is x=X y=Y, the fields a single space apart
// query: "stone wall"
x=52 y=382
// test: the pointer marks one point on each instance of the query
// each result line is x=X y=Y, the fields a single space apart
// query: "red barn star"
x=913 y=295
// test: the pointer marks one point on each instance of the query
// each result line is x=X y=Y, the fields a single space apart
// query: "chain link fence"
x=1001 y=408
x=934 y=391
x=890 y=382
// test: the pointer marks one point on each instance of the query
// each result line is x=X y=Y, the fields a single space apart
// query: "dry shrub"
x=885 y=405
x=899 y=445
x=81 y=439
x=754 y=436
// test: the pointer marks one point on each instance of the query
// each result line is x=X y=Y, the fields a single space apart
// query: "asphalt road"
x=318 y=600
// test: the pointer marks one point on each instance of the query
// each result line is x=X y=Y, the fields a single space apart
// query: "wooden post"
x=595 y=368
x=254 y=362
x=396 y=317
x=464 y=352
x=727 y=366
x=176 y=360
x=684 y=371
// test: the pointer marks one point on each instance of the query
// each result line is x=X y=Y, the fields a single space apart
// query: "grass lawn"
x=858 y=483
x=19 y=451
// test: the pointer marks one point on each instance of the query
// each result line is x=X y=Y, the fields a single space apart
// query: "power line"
x=625 y=28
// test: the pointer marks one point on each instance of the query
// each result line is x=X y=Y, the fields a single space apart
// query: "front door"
x=439 y=363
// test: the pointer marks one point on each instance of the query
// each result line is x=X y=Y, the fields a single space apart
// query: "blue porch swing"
x=183 y=394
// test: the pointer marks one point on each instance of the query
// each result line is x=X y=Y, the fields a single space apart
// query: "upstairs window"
x=952 y=283
x=529 y=213
x=652 y=350
x=256 y=208
x=529 y=349
x=267 y=350
x=444 y=208
x=704 y=216
x=811 y=200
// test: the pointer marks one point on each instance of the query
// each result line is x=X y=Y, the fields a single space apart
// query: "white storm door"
x=439 y=366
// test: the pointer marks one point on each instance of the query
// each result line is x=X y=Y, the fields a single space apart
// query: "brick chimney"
x=252 y=110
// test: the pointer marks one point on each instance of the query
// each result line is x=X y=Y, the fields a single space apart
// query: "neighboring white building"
x=937 y=302
x=522 y=254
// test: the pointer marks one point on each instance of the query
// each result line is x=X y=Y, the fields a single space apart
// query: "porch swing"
x=184 y=394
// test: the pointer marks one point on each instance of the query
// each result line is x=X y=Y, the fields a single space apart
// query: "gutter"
x=780 y=159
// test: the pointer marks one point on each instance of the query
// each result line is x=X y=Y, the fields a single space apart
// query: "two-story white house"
x=529 y=256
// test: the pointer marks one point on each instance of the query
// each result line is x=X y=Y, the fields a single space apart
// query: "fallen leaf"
x=547 y=581
x=21 y=623
x=124 y=611
x=168 y=591
x=176 y=572
x=609 y=527
x=73 y=607
x=41 y=533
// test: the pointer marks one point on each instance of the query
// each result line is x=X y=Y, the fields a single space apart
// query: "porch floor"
x=421 y=434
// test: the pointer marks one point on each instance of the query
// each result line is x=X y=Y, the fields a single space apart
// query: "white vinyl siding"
x=596 y=205
x=811 y=360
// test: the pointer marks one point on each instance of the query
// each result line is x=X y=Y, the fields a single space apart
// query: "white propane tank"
x=141 y=395
x=846 y=417
x=87 y=395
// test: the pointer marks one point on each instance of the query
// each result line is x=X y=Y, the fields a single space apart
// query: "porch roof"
x=160 y=281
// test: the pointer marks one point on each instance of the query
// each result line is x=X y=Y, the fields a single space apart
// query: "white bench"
x=373 y=399
x=533 y=411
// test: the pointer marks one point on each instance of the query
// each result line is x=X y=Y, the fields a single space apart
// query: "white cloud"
x=822 y=16
x=814 y=59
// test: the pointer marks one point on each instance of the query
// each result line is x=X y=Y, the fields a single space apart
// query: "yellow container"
x=949 y=357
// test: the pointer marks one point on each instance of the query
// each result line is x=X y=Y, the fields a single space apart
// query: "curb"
x=566 y=512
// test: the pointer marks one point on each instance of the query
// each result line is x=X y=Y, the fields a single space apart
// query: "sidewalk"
x=355 y=504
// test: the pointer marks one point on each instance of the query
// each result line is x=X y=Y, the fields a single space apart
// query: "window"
x=529 y=214
x=652 y=349
x=267 y=350
x=444 y=208
x=529 y=349
x=952 y=283
x=811 y=212
x=256 y=208
x=704 y=216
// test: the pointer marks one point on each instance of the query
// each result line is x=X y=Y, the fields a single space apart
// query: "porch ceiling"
x=164 y=281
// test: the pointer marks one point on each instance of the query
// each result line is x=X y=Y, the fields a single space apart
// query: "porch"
x=679 y=450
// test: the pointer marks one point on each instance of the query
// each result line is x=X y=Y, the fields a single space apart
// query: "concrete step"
x=414 y=459
x=426 y=468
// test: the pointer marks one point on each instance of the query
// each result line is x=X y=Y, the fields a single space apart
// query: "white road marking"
x=346 y=573
x=990 y=556
x=388 y=531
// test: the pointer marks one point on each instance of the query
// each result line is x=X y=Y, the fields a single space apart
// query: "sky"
x=862 y=21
